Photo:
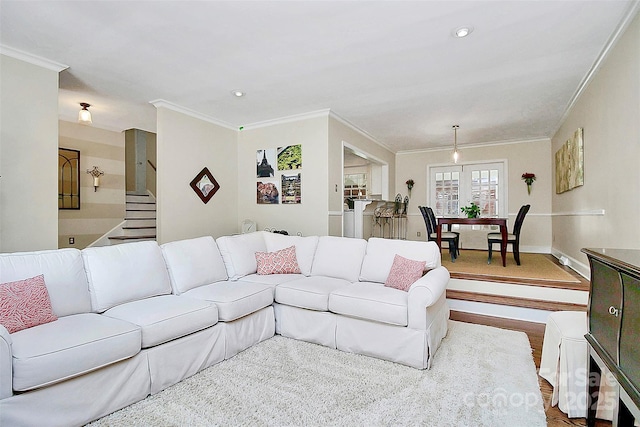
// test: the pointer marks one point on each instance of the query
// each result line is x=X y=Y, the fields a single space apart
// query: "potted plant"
x=472 y=211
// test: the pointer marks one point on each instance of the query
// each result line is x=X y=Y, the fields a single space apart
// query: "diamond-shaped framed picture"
x=205 y=185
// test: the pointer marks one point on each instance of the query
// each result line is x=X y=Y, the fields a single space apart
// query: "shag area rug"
x=481 y=376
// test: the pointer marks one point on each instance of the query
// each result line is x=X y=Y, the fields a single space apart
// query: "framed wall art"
x=267 y=192
x=205 y=185
x=570 y=163
x=290 y=157
x=291 y=188
x=265 y=163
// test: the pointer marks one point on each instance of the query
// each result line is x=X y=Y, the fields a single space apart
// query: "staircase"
x=515 y=298
x=140 y=220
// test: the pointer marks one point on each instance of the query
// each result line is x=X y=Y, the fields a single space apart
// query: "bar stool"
x=564 y=363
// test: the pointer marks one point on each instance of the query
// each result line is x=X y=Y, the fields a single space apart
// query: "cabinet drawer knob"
x=613 y=311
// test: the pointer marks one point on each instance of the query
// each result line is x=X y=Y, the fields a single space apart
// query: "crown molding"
x=287 y=119
x=32 y=59
x=630 y=14
x=478 y=145
x=161 y=103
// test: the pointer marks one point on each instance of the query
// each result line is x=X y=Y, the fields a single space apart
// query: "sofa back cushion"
x=239 y=253
x=381 y=252
x=339 y=257
x=63 y=273
x=123 y=273
x=193 y=262
x=305 y=248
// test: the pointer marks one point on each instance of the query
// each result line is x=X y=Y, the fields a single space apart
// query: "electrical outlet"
x=72 y=240
x=419 y=234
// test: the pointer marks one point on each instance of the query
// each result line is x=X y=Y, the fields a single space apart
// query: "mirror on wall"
x=68 y=178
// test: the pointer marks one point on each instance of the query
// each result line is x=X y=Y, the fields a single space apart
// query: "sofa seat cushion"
x=166 y=317
x=272 y=279
x=371 y=301
x=309 y=292
x=69 y=347
x=234 y=299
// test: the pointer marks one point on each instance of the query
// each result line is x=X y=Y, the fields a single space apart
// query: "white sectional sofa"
x=136 y=318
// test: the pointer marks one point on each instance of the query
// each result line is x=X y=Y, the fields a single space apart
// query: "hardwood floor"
x=535 y=333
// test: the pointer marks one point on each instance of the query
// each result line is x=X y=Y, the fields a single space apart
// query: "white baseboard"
x=577 y=266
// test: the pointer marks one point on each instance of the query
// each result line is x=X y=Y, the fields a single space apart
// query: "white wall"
x=308 y=217
x=28 y=156
x=609 y=112
x=185 y=146
x=531 y=156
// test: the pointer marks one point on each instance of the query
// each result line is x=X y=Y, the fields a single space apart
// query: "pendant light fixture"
x=84 y=116
x=456 y=154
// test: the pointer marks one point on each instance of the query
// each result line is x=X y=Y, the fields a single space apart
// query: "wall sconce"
x=96 y=174
x=84 y=116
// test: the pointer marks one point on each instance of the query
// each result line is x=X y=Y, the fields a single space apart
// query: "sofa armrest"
x=424 y=293
x=6 y=364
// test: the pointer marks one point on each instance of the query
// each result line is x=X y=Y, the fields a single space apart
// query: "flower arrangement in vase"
x=528 y=178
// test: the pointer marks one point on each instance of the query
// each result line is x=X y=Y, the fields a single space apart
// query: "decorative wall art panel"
x=205 y=185
x=265 y=163
x=291 y=188
x=570 y=163
x=290 y=157
x=267 y=192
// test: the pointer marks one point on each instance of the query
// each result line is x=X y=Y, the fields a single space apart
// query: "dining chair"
x=432 y=235
x=513 y=238
x=434 y=225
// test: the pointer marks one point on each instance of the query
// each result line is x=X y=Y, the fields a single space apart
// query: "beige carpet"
x=533 y=266
x=481 y=376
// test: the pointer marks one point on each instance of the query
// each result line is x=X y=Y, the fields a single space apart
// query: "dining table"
x=501 y=222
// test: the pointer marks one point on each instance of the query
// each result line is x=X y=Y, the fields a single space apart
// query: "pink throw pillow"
x=24 y=304
x=404 y=272
x=283 y=261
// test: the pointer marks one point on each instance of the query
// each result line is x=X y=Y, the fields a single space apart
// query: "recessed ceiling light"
x=462 y=31
x=238 y=93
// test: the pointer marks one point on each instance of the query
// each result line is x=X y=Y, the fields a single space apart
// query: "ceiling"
x=391 y=68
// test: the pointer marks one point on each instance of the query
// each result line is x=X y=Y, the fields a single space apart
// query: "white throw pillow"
x=305 y=248
x=193 y=262
x=239 y=253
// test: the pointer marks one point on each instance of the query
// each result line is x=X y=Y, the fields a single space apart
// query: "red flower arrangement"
x=528 y=178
